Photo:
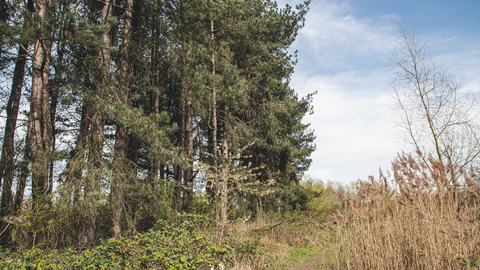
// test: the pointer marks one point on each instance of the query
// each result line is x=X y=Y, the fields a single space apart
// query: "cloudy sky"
x=342 y=53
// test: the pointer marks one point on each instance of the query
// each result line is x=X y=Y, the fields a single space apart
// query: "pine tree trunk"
x=75 y=164
x=224 y=180
x=40 y=126
x=188 y=178
x=179 y=172
x=121 y=136
x=21 y=182
x=177 y=188
x=39 y=133
x=154 y=165
x=210 y=186
x=17 y=84
x=94 y=172
x=7 y=166
x=3 y=18
x=7 y=162
x=214 y=131
x=121 y=140
x=155 y=99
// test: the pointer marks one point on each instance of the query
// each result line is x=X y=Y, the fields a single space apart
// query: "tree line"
x=112 y=108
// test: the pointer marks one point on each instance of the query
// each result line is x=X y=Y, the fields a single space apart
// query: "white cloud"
x=343 y=57
x=354 y=136
x=337 y=39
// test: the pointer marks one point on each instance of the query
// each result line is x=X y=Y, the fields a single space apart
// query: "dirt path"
x=315 y=262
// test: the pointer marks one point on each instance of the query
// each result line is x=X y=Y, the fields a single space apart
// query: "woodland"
x=163 y=134
x=122 y=113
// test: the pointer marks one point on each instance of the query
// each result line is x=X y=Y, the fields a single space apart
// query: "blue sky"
x=342 y=53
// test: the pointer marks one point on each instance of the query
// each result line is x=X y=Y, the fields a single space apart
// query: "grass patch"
x=296 y=255
x=303 y=254
x=288 y=241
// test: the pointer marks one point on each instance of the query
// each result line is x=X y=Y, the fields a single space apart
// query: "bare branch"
x=436 y=114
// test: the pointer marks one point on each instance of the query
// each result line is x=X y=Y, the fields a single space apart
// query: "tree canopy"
x=112 y=106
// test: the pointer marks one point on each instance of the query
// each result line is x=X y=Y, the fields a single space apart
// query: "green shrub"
x=171 y=246
x=324 y=198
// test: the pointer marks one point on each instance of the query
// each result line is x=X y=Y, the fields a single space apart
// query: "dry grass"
x=425 y=216
x=429 y=219
x=286 y=240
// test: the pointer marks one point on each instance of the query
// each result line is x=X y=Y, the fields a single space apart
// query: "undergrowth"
x=168 y=246
x=427 y=216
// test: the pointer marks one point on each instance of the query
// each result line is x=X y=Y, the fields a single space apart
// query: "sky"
x=342 y=54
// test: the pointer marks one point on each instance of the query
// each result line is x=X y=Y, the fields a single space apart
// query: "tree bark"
x=121 y=136
x=17 y=84
x=4 y=14
x=188 y=177
x=224 y=180
x=155 y=106
x=179 y=172
x=40 y=126
x=7 y=162
x=21 y=183
x=214 y=131
x=7 y=167
x=75 y=164
x=97 y=118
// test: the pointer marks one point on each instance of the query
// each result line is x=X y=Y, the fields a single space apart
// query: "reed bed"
x=426 y=217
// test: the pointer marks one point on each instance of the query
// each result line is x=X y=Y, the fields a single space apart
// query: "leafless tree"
x=438 y=116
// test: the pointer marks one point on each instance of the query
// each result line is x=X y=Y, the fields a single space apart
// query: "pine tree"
x=139 y=91
x=7 y=166
x=121 y=136
x=40 y=125
x=4 y=16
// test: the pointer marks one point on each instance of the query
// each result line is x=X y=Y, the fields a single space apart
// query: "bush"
x=324 y=198
x=170 y=246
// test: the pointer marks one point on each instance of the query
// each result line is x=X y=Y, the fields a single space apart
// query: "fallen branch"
x=14 y=221
x=278 y=224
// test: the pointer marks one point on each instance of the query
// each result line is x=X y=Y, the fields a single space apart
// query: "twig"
x=13 y=222
x=5 y=229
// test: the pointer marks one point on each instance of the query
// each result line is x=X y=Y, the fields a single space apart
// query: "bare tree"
x=439 y=117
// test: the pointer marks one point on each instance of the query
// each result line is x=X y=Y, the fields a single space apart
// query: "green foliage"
x=170 y=72
x=170 y=246
x=288 y=197
x=323 y=198
x=51 y=227
x=472 y=263
x=238 y=179
x=201 y=205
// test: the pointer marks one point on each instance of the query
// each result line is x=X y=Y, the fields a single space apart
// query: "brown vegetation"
x=421 y=217
x=426 y=220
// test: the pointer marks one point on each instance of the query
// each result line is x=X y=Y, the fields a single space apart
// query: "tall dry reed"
x=429 y=218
